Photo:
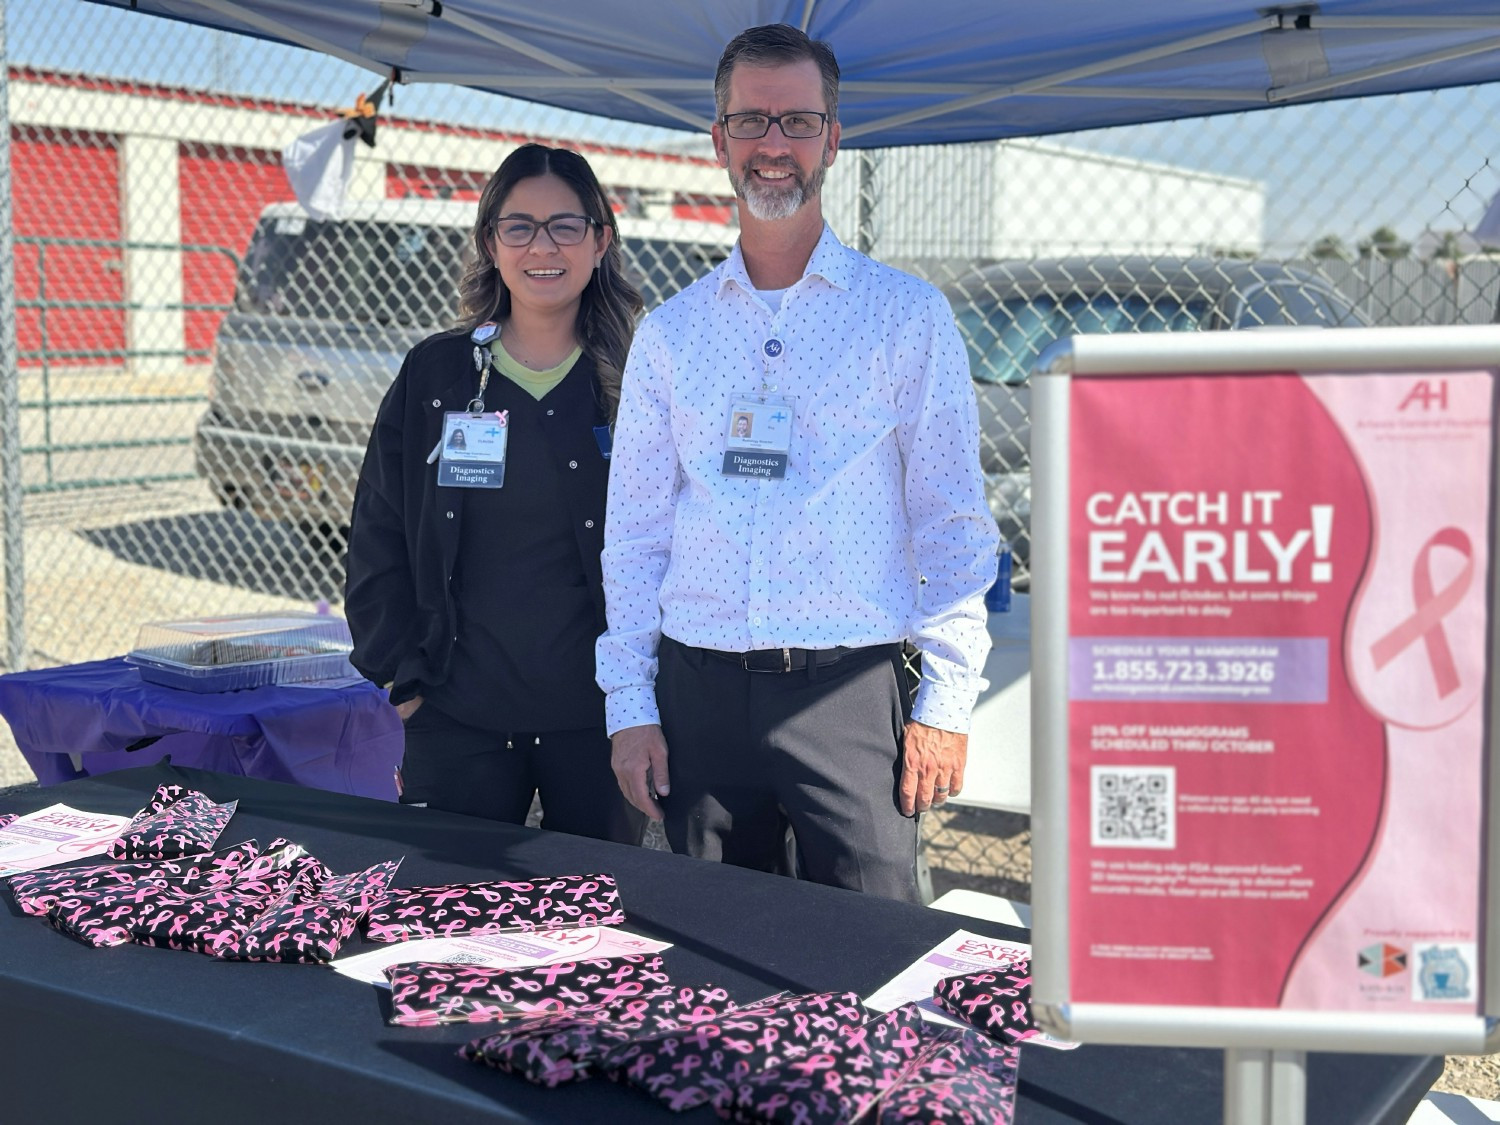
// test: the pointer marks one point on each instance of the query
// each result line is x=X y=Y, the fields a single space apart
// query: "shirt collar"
x=831 y=260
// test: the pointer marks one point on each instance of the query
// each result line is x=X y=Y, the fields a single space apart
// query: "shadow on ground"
x=978 y=850
x=233 y=548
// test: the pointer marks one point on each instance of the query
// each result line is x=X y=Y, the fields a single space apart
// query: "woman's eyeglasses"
x=564 y=230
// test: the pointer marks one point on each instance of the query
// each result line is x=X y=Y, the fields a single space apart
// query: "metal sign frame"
x=1350 y=351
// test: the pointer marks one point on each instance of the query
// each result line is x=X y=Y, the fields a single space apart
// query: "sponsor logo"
x=1382 y=960
x=1444 y=973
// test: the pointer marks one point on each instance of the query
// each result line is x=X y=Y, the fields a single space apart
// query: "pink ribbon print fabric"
x=996 y=1002
x=801 y=1059
x=693 y=1066
x=177 y=821
x=563 y=902
x=958 y=1077
x=424 y=993
x=552 y=1048
x=242 y=903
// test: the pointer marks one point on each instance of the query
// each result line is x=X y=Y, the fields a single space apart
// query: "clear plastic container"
x=243 y=651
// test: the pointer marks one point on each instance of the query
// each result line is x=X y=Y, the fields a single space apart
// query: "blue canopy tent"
x=914 y=73
x=937 y=71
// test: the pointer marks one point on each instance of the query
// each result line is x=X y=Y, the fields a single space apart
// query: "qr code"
x=1133 y=806
x=460 y=957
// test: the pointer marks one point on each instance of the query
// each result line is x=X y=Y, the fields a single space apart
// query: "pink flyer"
x=1278 y=610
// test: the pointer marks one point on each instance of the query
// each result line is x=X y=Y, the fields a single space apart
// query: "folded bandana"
x=550 y=1048
x=177 y=822
x=425 y=993
x=996 y=1002
x=562 y=902
x=836 y=1083
x=310 y=919
x=280 y=904
x=958 y=1077
x=692 y=1066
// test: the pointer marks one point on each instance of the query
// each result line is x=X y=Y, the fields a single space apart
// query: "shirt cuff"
x=945 y=707
x=630 y=707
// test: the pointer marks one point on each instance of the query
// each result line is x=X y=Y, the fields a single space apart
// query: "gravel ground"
x=89 y=586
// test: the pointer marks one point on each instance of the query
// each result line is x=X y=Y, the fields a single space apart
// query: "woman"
x=479 y=602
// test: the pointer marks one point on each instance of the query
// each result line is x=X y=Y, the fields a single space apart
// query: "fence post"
x=10 y=393
x=864 y=204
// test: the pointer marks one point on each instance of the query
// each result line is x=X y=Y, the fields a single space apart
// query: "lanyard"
x=484 y=338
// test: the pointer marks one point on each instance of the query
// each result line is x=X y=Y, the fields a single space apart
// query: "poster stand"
x=1265 y=1087
x=1358 y=646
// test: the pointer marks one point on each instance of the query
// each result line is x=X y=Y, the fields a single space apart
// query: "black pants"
x=748 y=752
x=463 y=769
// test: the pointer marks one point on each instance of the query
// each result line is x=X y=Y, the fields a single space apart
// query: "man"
x=757 y=601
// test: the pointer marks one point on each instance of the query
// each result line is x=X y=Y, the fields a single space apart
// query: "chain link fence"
x=199 y=362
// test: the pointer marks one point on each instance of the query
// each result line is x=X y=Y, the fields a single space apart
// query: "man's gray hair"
x=775 y=44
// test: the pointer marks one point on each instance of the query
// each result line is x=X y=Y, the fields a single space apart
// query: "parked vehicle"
x=324 y=313
x=1008 y=312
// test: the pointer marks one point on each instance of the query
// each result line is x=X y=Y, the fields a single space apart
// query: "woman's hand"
x=408 y=708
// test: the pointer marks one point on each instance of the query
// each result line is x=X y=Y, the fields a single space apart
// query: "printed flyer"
x=1278 y=609
x=54 y=835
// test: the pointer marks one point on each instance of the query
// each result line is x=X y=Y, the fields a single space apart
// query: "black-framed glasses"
x=799 y=125
x=564 y=230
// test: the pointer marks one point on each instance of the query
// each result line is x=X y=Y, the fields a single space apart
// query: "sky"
x=1414 y=162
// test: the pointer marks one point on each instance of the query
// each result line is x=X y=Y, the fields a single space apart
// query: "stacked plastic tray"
x=243 y=651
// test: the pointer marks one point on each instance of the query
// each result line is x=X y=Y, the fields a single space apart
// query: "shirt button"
x=437 y=402
x=549 y=413
x=572 y=464
x=588 y=523
x=755 y=621
x=450 y=515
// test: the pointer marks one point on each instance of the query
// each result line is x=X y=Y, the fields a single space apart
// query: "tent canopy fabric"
x=925 y=72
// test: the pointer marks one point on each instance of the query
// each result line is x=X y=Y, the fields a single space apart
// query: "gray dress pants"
x=749 y=752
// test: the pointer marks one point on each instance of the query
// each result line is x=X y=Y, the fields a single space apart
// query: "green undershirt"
x=534 y=383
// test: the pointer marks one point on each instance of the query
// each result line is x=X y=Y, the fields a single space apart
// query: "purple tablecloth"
x=342 y=736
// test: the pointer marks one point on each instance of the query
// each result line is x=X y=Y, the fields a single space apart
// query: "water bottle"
x=998 y=598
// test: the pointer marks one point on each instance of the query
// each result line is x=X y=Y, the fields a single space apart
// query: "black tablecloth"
x=133 y=1034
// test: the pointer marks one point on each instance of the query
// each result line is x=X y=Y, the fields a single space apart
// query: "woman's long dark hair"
x=610 y=304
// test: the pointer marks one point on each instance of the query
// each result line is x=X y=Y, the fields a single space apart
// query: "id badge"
x=472 y=454
x=758 y=436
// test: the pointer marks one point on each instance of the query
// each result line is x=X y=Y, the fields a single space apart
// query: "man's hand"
x=932 y=767
x=639 y=758
x=408 y=708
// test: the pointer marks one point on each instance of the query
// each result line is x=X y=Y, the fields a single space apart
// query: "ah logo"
x=1431 y=394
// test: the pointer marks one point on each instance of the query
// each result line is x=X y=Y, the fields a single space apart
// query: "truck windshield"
x=1005 y=337
x=353 y=271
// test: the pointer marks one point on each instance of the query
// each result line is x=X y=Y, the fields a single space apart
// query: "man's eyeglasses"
x=564 y=230
x=799 y=125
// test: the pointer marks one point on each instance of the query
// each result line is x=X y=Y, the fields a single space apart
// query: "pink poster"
x=1277 y=670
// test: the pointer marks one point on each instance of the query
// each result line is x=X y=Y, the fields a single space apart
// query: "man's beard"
x=770 y=203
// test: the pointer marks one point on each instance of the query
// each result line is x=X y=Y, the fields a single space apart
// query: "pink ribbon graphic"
x=1431 y=607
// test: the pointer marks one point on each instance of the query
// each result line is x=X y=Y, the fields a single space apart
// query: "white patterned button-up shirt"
x=883 y=487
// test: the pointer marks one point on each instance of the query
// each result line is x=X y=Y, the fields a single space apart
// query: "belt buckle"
x=786 y=661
